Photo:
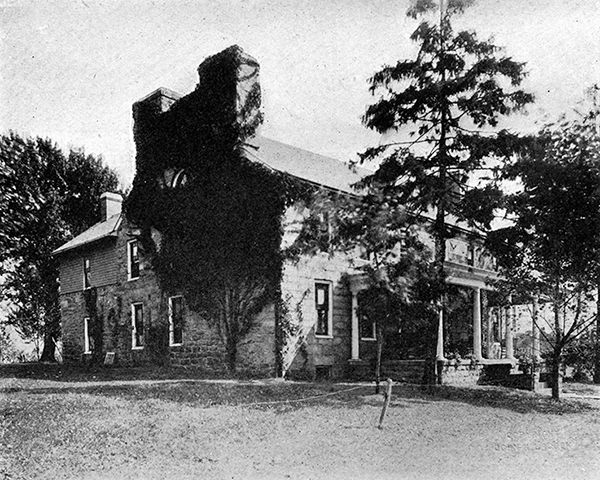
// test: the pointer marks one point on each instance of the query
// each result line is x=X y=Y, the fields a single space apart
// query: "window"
x=324 y=232
x=87 y=347
x=180 y=179
x=137 y=322
x=175 y=321
x=86 y=273
x=323 y=307
x=173 y=178
x=367 y=327
x=133 y=260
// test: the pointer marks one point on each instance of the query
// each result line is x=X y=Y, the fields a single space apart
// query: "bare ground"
x=60 y=425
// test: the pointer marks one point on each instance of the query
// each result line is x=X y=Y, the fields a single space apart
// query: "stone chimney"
x=110 y=204
x=233 y=65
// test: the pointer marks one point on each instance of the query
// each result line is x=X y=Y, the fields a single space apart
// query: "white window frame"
x=171 y=324
x=134 y=345
x=329 y=284
x=87 y=268
x=86 y=336
x=130 y=243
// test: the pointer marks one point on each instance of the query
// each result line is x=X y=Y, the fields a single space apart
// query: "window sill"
x=132 y=279
x=368 y=339
x=137 y=348
x=176 y=345
x=323 y=336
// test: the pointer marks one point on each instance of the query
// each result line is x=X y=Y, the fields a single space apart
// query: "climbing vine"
x=215 y=237
x=95 y=325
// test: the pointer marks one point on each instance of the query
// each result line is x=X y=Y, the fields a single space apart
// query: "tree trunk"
x=279 y=335
x=597 y=339
x=378 y=357
x=556 y=374
x=231 y=356
x=557 y=351
x=49 y=351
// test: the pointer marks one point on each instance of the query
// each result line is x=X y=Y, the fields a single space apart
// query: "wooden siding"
x=103 y=267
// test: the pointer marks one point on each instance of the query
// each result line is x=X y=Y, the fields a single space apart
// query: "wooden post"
x=386 y=403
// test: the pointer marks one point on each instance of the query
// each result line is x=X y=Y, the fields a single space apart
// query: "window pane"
x=322 y=307
x=138 y=325
x=86 y=335
x=176 y=320
x=86 y=273
x=134 y=262
x=367 y=327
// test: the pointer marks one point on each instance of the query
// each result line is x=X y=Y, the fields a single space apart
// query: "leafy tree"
x=398 y=281
x=579 y=355
x=45 y=199
x=436 y=107
x=550 y=249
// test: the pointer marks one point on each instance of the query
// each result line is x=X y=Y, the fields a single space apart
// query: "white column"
x=509 y=333
x=535 y=331
x=490 y=336
x=477 y=323
x=440 y=338
x=355 y=327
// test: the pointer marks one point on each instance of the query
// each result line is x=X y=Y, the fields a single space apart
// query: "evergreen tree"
x=437 y=105
x=45 y=200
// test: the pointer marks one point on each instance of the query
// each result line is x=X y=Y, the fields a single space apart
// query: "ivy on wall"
x=219 y=232
x=95 y=324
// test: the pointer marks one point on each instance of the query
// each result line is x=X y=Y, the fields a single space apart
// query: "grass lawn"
x=168 y=425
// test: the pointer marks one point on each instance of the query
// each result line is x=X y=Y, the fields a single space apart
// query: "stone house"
x=113 y=307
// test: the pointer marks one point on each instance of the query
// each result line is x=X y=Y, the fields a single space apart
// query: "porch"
x=490 y=335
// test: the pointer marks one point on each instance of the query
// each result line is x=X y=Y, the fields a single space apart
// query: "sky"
x=70 y=70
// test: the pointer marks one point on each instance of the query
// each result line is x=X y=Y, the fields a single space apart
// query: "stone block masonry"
x=111 y=329
x=312 y=355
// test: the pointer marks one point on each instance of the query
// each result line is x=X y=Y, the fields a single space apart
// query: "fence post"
x=386 y=403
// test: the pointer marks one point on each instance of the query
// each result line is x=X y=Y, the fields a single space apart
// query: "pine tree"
x=437 y=105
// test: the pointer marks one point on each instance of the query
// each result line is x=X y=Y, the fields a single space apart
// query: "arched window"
x=172 y=178
x=179 y=179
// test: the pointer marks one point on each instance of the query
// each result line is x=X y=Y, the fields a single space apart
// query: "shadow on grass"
x=97 y=373
x=285 y=397
x=280 y=397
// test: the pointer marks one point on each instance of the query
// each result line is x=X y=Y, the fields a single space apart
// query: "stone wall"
x=202 y=347
x=309 y=355
x=461 y=375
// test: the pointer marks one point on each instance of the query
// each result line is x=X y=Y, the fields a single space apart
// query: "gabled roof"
x=315 y=168
x=303 y=164
x=107 y=228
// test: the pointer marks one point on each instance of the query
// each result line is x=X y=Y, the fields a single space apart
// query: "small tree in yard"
x=45 y=200
x=550 y=251
x=399 y=283
x=438 y=103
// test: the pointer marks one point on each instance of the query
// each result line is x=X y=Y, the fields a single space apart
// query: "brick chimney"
x=110 y=204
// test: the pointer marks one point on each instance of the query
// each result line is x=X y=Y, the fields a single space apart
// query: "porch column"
x=509 y=332
x=477 y=323
x=535 y=332
x=490 y=334
x=354 y=353
x=440 y=337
